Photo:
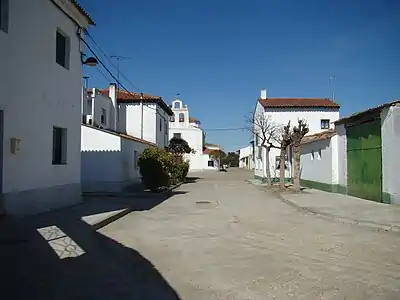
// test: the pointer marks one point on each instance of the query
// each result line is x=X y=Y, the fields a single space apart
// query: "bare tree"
x=297 y=135
x=262 y=126
x=285 y=141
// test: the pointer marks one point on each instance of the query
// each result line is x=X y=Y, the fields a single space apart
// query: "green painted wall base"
x=332 y=188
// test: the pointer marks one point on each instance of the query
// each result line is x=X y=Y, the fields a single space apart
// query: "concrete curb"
x=332 y=217
x=115 y=216
x=129 y=195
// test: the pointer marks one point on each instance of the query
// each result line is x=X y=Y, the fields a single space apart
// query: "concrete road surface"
x=222 y=238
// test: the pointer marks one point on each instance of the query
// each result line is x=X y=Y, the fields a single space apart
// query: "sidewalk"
x=346 y=209
x=60 y=255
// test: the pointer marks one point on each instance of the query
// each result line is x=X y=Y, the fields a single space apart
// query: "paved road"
x=221 y=238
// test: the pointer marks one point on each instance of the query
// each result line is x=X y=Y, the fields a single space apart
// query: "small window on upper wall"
x=172 y=118
x=161 y=124
x=181 y=117
x=325 y=124
x=4 y=15
x=177 y=104
x=177 y=135
x=62 y=49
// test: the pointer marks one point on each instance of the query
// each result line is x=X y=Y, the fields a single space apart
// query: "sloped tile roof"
x=323 y=135
x=83 y=11
x=298 y=102
x=129 y=97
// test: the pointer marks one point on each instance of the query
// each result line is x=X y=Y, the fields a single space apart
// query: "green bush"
x=178 y=171
x=159 y=168
x=155 y=165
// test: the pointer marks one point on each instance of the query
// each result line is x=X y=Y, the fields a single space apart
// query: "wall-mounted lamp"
x=90 y=61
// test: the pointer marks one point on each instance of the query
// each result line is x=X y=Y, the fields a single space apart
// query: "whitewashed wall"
x=134 y=119
x=390 y=117
x=316 y=161
x=100 y=102
x=38 y=94
x=108 y=160
x=342 y=155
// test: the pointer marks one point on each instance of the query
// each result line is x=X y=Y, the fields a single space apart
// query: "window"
x=325 y=124
x=103 y=117
x=62 y=49
x=211 y=163
x=59 y=146
x=135 y=160
x=172 y=118
x=4 y=15
x=160 y=125
x=177 y=104
x=181 y=117
x=178 y=135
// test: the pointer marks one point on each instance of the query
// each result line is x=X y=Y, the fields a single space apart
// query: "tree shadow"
x=192 y=179
x=61 y=257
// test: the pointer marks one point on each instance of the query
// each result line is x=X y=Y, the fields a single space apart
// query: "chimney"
x=263 y=94
x=112 y=93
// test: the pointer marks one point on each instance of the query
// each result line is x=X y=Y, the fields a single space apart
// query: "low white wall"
x=199 y=162
x=316 y=161
x=108 y=160
x=390 y=144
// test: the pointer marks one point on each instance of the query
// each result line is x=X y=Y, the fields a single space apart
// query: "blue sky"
x=219 y=54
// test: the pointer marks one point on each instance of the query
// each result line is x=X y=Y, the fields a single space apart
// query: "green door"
x=364 y=161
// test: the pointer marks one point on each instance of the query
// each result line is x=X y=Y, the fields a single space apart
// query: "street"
x=223 y=238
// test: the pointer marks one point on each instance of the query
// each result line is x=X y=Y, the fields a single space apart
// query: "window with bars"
x=325 y=123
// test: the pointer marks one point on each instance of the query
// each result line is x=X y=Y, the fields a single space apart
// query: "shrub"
x=178 y=171
x=155 y=165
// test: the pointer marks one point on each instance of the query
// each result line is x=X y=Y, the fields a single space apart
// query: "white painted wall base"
x=41 y=200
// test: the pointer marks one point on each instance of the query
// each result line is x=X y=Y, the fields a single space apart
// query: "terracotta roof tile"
x=298 y=102
x=83 y=11
x=124 y=96
x=323 y=135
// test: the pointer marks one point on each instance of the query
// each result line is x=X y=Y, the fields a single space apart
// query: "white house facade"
x=358 y=157
x=183 y=126
x=319 y=113
x=142 y=116
x=117 y=127
x=246 y=160
x=40 y=80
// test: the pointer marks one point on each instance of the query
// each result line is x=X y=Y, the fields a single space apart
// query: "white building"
x=319 y=113
x=117 y=127
x=40 y=113
x=246 y=160
x=183 y=126
x=358 y=157
x=143 y=116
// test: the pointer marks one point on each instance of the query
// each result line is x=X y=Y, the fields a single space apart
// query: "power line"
x=111 y=62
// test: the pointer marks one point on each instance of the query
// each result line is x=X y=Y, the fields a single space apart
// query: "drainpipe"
x=141 y=118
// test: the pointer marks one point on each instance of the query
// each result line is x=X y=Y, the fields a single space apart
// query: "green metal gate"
x=364 y=160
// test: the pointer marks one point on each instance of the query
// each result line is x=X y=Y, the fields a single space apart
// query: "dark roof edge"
x=158 y=101
x=365 y=112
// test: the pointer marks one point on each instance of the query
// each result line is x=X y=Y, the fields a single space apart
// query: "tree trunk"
x=267 y=167
x=296 y=167
x=282 y=168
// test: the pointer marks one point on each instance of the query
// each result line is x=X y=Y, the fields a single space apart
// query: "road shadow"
x=61 y=257
x=192 y=179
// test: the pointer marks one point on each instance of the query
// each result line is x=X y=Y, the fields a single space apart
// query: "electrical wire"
x=110 y=61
